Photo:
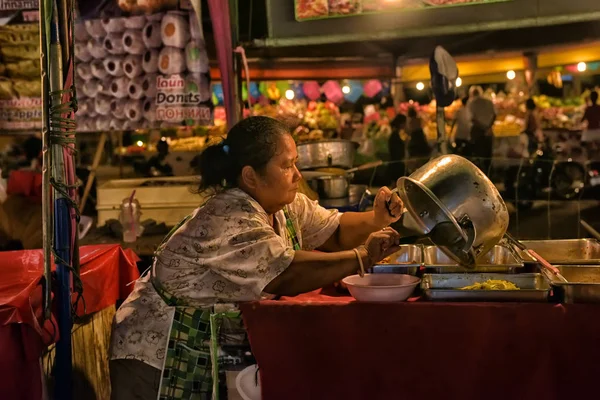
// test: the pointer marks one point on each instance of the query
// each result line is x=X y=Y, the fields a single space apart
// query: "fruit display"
x=324 y=116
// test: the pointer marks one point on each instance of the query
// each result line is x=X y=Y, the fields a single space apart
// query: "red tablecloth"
x=321 y=347
x=105 y=271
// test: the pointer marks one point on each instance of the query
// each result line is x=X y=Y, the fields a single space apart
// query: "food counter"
x=523 y=343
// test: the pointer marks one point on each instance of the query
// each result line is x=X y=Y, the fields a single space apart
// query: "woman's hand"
x=381 y=244
x=383 y=216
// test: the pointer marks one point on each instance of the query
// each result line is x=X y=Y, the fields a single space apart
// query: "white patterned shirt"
x=227 y=252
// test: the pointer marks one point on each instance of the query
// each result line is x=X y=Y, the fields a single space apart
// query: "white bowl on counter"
x=381 y=287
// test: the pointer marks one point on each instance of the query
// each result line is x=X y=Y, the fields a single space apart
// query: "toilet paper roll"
x=114 y=66
x=105 y=86
x=151 y=35
x=94 y=28
x=136 y=22
x=150 y=61
x=175 y=30
x=117 y=108
x=86 y=124
x=113 y=25
x=98 y=69
x=196 y=58
x=133 y=43
x=91 y=88
x=195 y=29
x=102 y=124
x=81 y=52
x=171 y=60
x=116 y=124
x=84 y=71
x=149 y=86
x=157 y=17
x=102 y=105
x=96 y=49
x=132 y=66
x=128 y=125
x=134 y=88
x=118 y=87
x=149 y=110
x=198 y=84
x=82 y=110
x=133 y=110
x=113 y=43
x=81 y=34
x=79 y=88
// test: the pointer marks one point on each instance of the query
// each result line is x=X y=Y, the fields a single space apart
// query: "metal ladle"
x=549 y=267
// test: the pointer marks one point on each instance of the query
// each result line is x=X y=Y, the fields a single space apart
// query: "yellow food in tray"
x=492 y=284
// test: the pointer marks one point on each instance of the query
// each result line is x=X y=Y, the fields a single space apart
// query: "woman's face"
x=278 y=184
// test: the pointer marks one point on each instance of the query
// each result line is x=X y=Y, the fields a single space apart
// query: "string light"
x=420 y=86
x=346 y=89
x=581 y=67
x=140 y=143
x=511 y=75
x=289 y=94
x=458 y=82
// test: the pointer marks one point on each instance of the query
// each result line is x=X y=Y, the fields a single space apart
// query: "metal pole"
x=237 y=70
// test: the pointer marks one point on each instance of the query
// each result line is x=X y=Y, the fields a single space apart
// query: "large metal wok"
x=451 y=192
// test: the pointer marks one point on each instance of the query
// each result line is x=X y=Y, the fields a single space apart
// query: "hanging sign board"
x=320 y=9
x=142 y=72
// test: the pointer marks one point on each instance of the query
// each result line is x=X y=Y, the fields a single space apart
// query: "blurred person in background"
x=418 y=148
x=591 y=135
x=397 y=149
x=483 y=116
x=462 y=135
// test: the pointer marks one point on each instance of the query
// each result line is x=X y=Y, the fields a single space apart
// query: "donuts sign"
x=143 y=71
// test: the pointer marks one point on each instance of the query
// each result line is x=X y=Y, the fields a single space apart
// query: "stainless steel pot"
x=331 y=186
x=326 y=153
x=452 y=189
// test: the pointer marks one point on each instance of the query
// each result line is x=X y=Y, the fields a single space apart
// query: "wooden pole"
x=92 y=176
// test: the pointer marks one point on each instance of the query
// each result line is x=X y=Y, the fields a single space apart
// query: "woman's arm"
x=355 y=227
x=311 y=270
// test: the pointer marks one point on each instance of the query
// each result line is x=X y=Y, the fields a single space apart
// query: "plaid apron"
x=192 y=363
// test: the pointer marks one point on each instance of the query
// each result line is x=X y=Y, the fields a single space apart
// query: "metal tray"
x=446 y=287
x=407 y=260
x=500 y=259
x=583 y=286
x=564 y=252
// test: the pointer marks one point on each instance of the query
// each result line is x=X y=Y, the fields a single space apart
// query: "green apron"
x=192 y=364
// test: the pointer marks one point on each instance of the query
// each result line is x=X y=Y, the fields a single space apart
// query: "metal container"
x=406 y=261
x=446 y=287
x=583 y=285
x=564 y=252
x=331 y=186
x=500 y=259
x=326 y=153
x=452 y=189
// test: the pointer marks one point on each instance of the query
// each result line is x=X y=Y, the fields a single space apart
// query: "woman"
x=418 y=148
x=592 y=117
x=397 y=149
x=462 y=136
x=532 y=127
x=250 y=240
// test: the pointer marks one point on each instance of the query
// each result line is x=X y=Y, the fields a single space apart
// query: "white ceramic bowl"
x=381 y=287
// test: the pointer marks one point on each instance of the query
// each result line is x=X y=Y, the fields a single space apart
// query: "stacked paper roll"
x=94 y=28
x=175 y=30
x=102 y=124
x=98 y=70
x=132 y=66
x=84 y=71
x=150 y=61
x=118 y=87
x=137 y=22
x=81 y=34
x=81 y=52
x=134 y=89
x=195 y=30
x=105 y=86
x=117 y=108
x=113 y=43
x=149 y=86
x=113 y=25
x=196 y=58
x=91 y=88
x=149 y=110
x=96 y=49
x=114 y=66
x=133 y=110
x=151 y=35
x=133 y=43
x=102 y=105
x=171 y=60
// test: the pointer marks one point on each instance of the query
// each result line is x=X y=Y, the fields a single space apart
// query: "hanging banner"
x=142 y=72
x=20 y=88
x=320 y=9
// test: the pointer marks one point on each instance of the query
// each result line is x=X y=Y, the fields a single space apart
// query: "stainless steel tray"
x=407 y=260
x=500 y=259
x=446 y=287
x=564 y=252
x=583 y=286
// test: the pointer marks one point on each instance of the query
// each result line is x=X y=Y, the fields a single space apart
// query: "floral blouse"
x=227 y=252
